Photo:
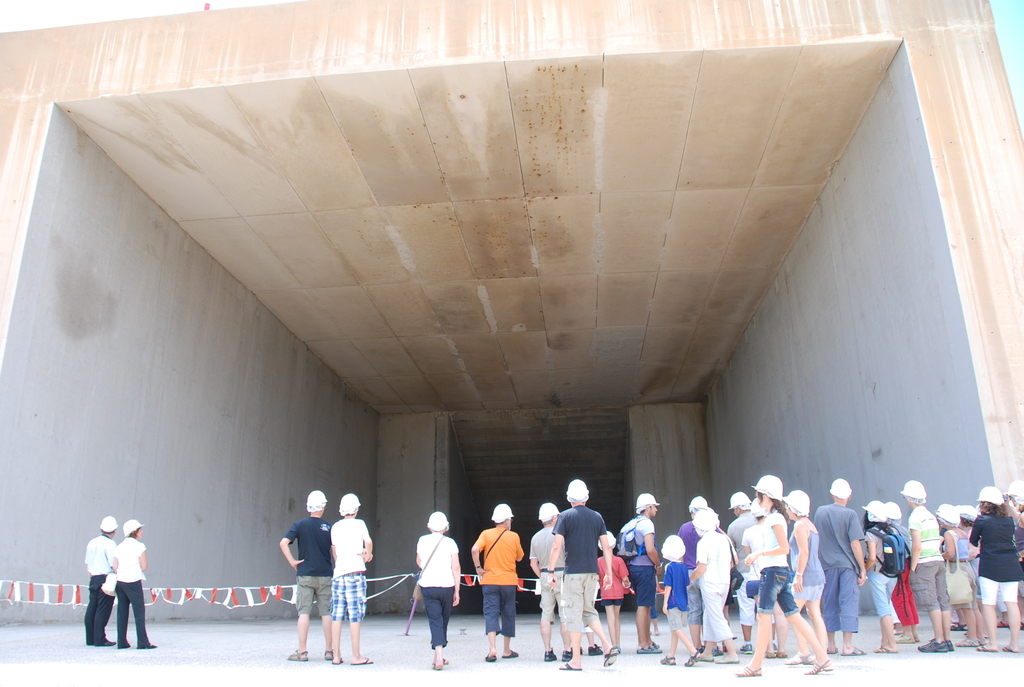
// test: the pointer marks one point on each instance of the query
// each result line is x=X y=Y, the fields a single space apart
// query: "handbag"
x=417 y=591
x=958 y=583
x=110 y=584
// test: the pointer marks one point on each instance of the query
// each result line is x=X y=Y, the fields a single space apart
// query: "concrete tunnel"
x=451 y=283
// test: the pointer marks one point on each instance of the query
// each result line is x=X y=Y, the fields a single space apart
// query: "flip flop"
x=511 y=654
x=490 y=659
x=569 y=667
x=1009 y=650
x=610 y=657
x=986 y=650
x=855 y=652
x=367 y=662
x=337 y=662
x=885 y=651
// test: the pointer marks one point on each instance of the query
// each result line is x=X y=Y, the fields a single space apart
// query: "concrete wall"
x=857 y=362
x=142 y=380
x=668 y=458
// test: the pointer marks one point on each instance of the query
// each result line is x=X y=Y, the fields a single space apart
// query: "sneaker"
x=655 y=646
x=566 y=656
x=933 y=647
x=747 y=649
x=716 y=652
x=549 y=657
x=652 y=649
x=947 y=646
x=595 y=651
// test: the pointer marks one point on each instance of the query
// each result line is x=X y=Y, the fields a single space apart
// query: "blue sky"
x=21 y=15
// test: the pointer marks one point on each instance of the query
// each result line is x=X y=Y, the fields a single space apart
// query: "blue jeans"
x=775 y=587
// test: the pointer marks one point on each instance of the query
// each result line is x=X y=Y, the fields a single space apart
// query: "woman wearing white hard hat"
x=999 y=569
x=130 y=563
x=809 y=577
x=876 y=529
x=959 y=555
x=775 y=586
x=437 y=557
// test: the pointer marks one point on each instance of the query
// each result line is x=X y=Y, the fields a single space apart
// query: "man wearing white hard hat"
x=313 y=571
x=739 y=503
x=842 y=558
x=694 y=600
x=928 y=569
x=580 y=531
x=643 y=569
x=99 y=555
x=352 y=549
x=550 y=597
x=495 y=555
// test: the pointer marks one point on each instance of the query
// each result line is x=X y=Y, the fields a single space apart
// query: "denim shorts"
x=776 y=587
x=644 y=582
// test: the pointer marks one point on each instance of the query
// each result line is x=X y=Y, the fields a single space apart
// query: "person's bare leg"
x=764 y=638
x=357 y=658
x=832 y=648
x=545 y=635
x=888 y=633
x=566 y=639
x=328 y=627
x=817 y=621
x=614 y=624
x=576 y=661
x=746 y=633
x=936 y=619
x=303 y=632
x=802 y=627
x=802 y=648
x=695 y=634
x=947 y=622
x=439 y=656
x=508 y=646
x=972 y=617
x=643 y=627
x=336 y=640
x=781 y=630
x=595 y=626
x=848 y=647
x=989 y=613
x=492 y=643
x=1013 y=618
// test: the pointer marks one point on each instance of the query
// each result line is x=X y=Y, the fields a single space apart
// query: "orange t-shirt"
x=500 y=562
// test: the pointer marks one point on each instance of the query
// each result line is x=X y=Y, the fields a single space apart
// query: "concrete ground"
x=253 y=652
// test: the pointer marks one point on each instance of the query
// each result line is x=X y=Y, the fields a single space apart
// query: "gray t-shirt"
x=540 y=548
x=838 y=526
x=644 y=526
x=736 y=529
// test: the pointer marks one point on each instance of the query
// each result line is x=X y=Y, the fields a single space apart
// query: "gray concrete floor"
x=253 y=652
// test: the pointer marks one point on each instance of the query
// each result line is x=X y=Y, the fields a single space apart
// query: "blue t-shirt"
x=314 y=535
x=677 y=576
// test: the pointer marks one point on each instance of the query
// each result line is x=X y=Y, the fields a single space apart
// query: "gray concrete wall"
x=668 y=458
x=142 y=380
x=857 y=363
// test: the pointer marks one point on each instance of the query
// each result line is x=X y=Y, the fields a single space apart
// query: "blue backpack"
x=894 y=552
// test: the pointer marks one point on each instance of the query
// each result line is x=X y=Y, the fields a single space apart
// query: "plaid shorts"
x=348 y=597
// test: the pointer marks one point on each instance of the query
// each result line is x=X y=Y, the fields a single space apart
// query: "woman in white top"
x=437 y=556
x=775 y=584
x=130 y=564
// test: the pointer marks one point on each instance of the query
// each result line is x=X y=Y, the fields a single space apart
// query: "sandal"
x=747 y=672
x=668 y=661
x=299 y=656
x=781 y=654
x=692 y=661
x=799 y=660
x=907 y=639
x=819 y=669
x=437 y=666
x=968 y=643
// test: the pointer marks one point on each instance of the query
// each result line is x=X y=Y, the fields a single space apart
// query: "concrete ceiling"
x=571 y=231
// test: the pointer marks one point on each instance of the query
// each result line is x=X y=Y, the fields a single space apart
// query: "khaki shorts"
x=929 y=585
x=579 y=591
x=677 y=619
x=550 y=597
x=310 y=588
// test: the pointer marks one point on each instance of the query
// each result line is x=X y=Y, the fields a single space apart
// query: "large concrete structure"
x=446 y=254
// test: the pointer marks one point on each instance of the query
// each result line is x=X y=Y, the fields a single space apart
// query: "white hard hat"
x=548 y=511
x=841 y=489
x=674 y=548
x=1016 y=491
x=437 y=522
x=698 y=503
x=914 y=490
x=644 y=501
x=769 y=485
x=108 y=524
x=877 y=511
x=349 y=504
x=577 y=491
x=799 y=502
x=705 y=520
x=739 y=500
x=948 y=514
x=893 y=510
x=968 y=513
x=131 y=526
x=315 y=501
x=501 y=513
x=991 y=495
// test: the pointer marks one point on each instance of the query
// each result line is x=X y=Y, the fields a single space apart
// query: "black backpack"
x=894 y=553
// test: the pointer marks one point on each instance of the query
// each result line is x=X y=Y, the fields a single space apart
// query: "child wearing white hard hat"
x=1000 y=571
x=352 y=549
x=677 y=579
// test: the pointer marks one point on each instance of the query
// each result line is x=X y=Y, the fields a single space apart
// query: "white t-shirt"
x=127 y=554
x=753 y=539
x=715 y=551
x=771 y=542
x=348 y=540
x=438 y=572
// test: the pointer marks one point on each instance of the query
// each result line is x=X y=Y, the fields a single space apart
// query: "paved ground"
x=252 y=653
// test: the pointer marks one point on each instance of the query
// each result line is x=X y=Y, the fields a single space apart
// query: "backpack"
x=626 y=546
x=894 y=554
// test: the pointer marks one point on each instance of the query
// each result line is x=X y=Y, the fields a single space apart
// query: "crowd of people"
x=961 y=566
